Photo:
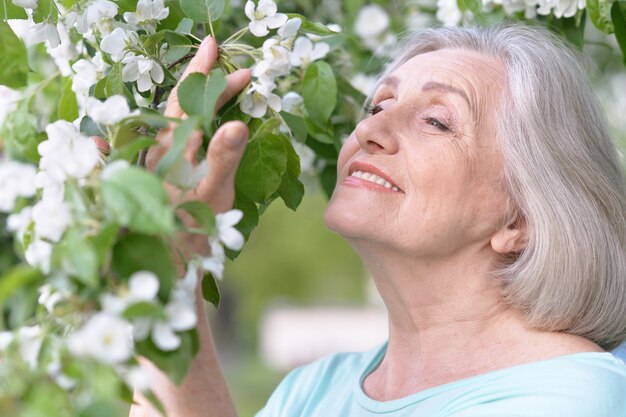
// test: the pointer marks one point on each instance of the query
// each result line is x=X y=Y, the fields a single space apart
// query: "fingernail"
x=234 y=136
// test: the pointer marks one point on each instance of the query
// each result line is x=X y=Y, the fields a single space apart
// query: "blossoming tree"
x=91 y=274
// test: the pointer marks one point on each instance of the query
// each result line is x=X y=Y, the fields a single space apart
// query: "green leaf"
x=129 y=151
x=136 y=199
x=8 y=10
x=268 y=127
x=250 y=211
x=319 y=91
x=90 y=128
x=68 y=106
x=182 y=134
x=177 y=46
x=136 y=252
x=114 y=83
x=152 y=118
x=474 y=6
x=291 y=190
x=45 y=11
x=201 y=213
x=144 y=309
x=618 y=14
x=77 y=257
x=185 y=26
x=13 y=59
x=104 y=408
x=175 y=363
x=105 y=239
x=261 y=168
x=310 y=27
x=322 y=150
x=328 y=179
x=17 y=278
x=203 y=11
x=198 y=95
x=318 y=133
x=210 y=292
x=600 y=14
x=296 y=124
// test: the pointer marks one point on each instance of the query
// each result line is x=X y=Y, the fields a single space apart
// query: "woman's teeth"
x=375 y=178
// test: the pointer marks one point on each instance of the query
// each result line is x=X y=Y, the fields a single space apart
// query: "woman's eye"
x=374 y=109
x=436 y=123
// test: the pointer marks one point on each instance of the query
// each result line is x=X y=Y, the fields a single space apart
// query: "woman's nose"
x=376 y=135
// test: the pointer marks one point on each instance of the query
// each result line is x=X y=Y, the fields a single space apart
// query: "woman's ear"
x=511 y=238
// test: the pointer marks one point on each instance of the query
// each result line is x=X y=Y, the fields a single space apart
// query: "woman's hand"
x=225 y=150
x=203 y=392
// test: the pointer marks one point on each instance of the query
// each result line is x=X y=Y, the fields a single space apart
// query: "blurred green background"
x=291 y=258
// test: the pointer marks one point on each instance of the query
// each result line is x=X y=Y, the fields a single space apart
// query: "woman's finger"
x=201 y=62
x=225 y=151
x=236 y=82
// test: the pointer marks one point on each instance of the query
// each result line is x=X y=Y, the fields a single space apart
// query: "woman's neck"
x=447 y=321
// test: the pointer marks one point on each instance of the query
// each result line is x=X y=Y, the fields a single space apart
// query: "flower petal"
x=258 y=28
x=164 y=337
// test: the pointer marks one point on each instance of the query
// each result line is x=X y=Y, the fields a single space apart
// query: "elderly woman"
x=485 y=197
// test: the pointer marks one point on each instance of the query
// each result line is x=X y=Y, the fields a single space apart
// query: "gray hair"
x=563 y=178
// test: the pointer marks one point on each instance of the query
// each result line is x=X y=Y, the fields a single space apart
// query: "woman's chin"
x=345 y=221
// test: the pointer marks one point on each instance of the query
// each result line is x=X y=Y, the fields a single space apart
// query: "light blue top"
x=590 y=384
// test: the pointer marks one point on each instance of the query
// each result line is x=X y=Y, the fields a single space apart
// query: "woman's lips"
x=365 y=174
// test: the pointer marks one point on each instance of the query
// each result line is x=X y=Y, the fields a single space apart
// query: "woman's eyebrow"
x=390 y=81
x=434 y=85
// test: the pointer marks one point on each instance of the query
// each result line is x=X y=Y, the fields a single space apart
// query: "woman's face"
x=431 y=137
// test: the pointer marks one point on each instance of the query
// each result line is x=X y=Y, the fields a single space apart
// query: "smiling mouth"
x=368 y=176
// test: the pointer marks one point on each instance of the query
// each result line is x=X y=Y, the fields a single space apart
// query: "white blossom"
x=335 y=27
x=143 y=70
x=116 y=43
x=53 y=187
x=215 y=262
x=306 y=155
x=8 y=101
x=258 y=97
x=38 y=254
x=94 y=14
x=143 y=286
x=27 y=4
x=87 y=73
x=363 y=82
x=304 y=52
x=18 y=222
x=568 y=8
x=55 y=371
x=148 y=14
x=276 y=56
x=371 y=21
x=290 y=28
x=16 y=180
x=64 y=52
x=448 y=12
x=103 y=337
x=263 y=16
x=108 y=112
x=51 y=218
x=49 y=296
x=45 y=31
x=67 y=153
x=29 y=338
x=6 y=338
x=185 y=175
x=226 y=231
x=138 y=378
x=292 y=102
